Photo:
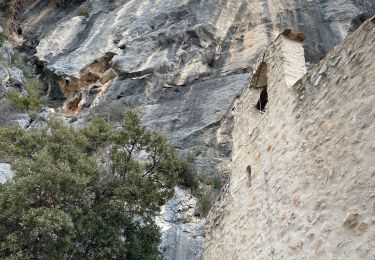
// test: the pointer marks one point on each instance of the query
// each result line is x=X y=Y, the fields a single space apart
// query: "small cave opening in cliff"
x=263 y=100
x=91 y=78
x=72 y=106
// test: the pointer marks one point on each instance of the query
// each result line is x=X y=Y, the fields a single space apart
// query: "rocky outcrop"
x=157 y=46
x=183 y=232
x=5 y=172
x=4 y=77
x=180 y=41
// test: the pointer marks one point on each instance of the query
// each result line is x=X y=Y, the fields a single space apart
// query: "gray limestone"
x=16 y=75
x=182 y=232
x=4 y=75
x=5 y=172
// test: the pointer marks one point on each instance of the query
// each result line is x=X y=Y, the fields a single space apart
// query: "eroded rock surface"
x=183 y=233
x=181 y=41
x=5 y=172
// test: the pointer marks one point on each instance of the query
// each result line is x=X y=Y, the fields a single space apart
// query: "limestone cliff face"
x=5 y=172
x=181 y=63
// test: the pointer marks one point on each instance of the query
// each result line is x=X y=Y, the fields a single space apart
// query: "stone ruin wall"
x=302 y=183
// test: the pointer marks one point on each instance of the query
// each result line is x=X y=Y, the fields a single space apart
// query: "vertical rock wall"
x=302 y=183
x=5 y=172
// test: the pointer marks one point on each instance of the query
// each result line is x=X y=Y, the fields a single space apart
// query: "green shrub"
x=115 y=113
x=216 y=182
x=98 y=133
x=29 y=102
x=186 y=219
x=4 y=63
x=204 y=179
x=193 y=153
x=188 y=176
x=2 y=39
x=19 y=62
x=83 y=11
x=205 y=202
x=112 y=113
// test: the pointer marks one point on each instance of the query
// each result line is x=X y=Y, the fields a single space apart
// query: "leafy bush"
x=29 y=102
x=113 y=113
x=4 y=63
x=19 y=62
x=83 y=11
x=205 y=202
x=196 y=151
x=188 y=176
x=61 y=204
x=2 y=39
x=216 y=182
x=186 y=219
x=98 y=133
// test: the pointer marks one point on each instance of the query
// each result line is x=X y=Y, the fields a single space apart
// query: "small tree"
x=62 y=205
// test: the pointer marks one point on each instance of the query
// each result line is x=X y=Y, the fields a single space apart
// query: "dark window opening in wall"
x=248 y=172
x=261 y=86
x=263 y=100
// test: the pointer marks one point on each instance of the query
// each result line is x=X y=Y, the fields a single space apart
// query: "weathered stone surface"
x=16 y=75
x=43 y=116
x=181 y=244
x=5 y=172
x=184 y=112
x=182 y=232
x=6 y=52
x=108 y=75
x=351 y=220
x=2 y=90
x=311 y=160
x=184 y=38
x=4 y=75
x=23 y=120
x=57 y=41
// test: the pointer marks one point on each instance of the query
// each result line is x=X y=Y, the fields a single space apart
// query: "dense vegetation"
x=29 y=102
x=89 y=193
x=21 y=97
